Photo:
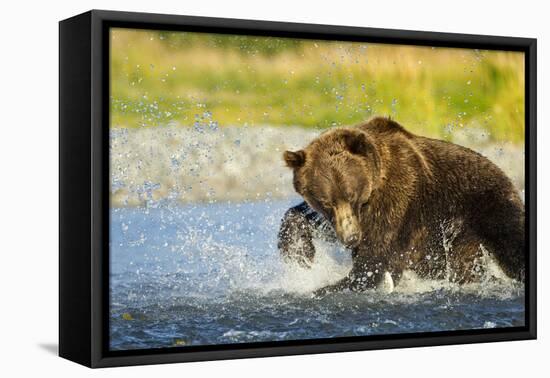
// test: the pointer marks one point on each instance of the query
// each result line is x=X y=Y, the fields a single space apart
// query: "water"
x=211 y=274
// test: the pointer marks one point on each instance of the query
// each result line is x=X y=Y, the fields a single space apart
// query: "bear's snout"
x=347 y=226
x=351 y=239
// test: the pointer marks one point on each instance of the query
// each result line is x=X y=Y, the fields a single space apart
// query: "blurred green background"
x=158 y=78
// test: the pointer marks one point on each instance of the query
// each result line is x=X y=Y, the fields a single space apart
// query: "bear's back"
x=383 y=126
x=448 y=166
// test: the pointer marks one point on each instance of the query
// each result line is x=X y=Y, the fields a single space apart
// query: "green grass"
x=158 y=78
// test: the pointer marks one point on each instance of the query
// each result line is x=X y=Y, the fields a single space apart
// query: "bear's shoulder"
x=384 y=125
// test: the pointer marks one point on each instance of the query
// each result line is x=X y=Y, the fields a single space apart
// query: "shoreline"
x=208 y=163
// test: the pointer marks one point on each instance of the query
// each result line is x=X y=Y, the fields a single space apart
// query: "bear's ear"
x=357 y=143
x=294 y=159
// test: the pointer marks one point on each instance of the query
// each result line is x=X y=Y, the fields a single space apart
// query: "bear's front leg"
x=361 y=278
x=341 y=285
x=298 y=227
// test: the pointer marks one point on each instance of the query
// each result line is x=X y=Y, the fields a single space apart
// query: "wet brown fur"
x=421 y=203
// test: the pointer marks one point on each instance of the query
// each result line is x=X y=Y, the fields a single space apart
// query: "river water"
x=201 y=274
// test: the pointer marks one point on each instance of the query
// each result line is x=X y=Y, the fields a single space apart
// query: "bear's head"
x=336 y=174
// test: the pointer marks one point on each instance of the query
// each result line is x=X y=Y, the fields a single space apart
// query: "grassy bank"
x=158 y=78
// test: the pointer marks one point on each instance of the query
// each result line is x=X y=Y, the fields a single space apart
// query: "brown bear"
x=402 y=201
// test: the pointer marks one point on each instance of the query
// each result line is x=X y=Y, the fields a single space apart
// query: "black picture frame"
x=84 y=187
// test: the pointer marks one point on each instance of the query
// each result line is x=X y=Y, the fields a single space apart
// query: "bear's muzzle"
x=347 y=225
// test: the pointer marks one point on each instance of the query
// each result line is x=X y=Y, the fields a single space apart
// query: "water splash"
x=211 y=273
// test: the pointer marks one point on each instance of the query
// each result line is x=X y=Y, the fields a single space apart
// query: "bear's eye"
x=325 y=204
